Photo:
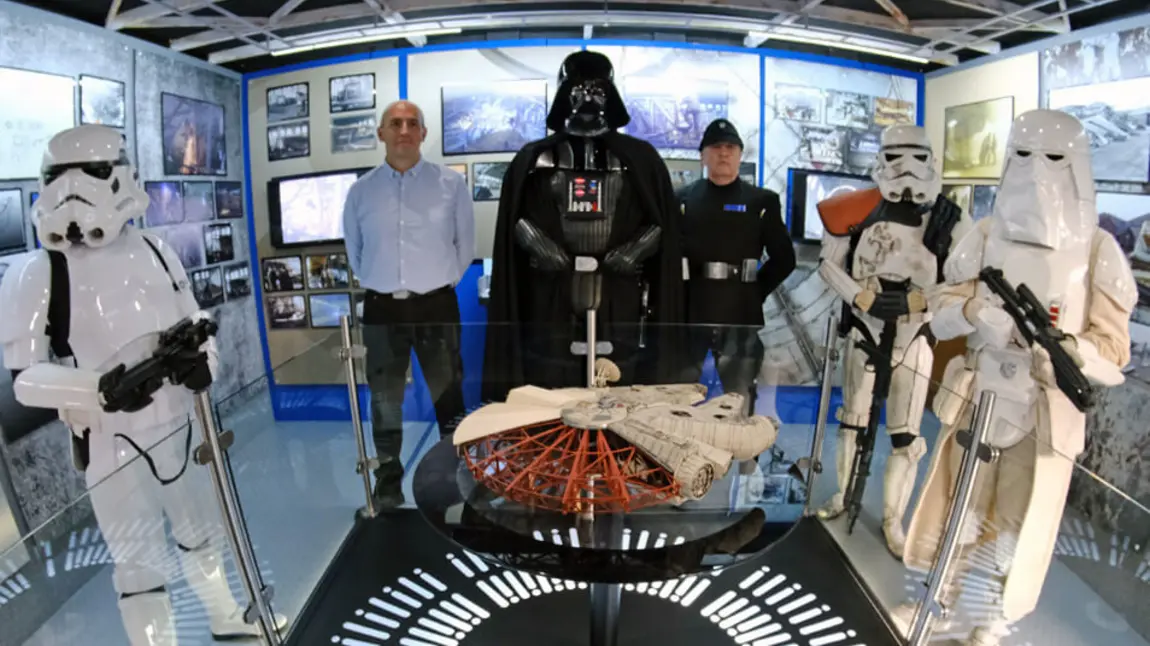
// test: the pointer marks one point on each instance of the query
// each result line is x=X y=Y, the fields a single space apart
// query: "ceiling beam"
x=313 y=17
x=890 y=7
x=192 y=22
x=285 y=9
x=1036 y=19
x=112 y=12
x=140 y=16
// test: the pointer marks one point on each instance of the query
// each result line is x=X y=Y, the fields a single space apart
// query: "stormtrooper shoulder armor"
x=965 y=260
x=1110 y=271
x=25 y=292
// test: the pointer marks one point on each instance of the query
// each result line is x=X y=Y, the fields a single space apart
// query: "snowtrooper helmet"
x=906 y=167
x=1046 y=196
x=88 y=189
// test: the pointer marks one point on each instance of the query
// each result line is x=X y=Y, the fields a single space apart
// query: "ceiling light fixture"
x=765 y=36
x=364 y=39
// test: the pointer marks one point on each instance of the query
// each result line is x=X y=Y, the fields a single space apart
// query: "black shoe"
x=388 y=500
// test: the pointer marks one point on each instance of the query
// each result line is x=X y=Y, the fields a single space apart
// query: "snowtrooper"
x=883 y=254
x=96 y=296
x=1043 y=233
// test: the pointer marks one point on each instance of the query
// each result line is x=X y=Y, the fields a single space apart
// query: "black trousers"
x=738 y=353
x=392 y=328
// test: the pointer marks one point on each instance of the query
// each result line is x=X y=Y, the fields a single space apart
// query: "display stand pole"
x=814 y=464
x=349 y=353
x=591 y=341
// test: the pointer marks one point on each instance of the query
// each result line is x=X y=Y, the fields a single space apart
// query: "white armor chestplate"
x=894 y=251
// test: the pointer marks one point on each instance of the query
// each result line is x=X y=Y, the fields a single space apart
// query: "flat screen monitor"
x=807 y=189
x=308 y=209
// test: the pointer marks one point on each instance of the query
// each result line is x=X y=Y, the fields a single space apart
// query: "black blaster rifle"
x=1033 y=322
x=177 y=359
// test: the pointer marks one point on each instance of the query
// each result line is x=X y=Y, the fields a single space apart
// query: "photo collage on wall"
x=310 y=291
x=353 y=120
x=289 y=128
x=839 y=129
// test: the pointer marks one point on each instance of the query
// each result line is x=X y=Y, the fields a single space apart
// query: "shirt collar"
x=413 y=171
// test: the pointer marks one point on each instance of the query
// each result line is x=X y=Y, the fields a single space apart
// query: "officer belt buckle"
x=745 y=271
x=402 y=294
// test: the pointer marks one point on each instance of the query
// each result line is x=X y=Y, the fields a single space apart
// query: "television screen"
x=808 y=188
x=308 y=209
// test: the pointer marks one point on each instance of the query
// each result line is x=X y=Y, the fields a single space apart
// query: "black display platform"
x=396 y=578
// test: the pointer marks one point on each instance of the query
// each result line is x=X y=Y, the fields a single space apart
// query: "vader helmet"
x=906 y=167
x=1046 y=196
x=587 y=103
x=88 y=189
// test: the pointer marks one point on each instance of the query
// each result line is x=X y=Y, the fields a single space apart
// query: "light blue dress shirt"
x=412 y=231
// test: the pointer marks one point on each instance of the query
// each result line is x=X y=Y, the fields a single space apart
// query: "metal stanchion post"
x=211 y=453
x=591 y=341
x=350 y=352
x=814 y=464
x=977 y=452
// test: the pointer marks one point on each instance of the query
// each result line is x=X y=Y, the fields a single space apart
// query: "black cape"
x=511 y=273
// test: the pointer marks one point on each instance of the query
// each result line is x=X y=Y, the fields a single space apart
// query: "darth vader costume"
x=587 y=218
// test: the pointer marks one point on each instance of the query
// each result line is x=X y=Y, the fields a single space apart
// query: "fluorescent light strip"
x=840 y=45
x=364 y=39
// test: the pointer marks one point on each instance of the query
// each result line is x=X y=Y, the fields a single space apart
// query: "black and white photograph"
x=288 y=102
x=488 y=180
x=357 y=304
x=237 y=280
x=208 y=286
x=461 y=169
x=187 y=241
x=497 y=117
x=12 y=233
x=229 y=200
x=355 y=92
x=194 y=139
x=284 y=274
x=219 y=245
x=286 y=312
x=1115 y=117
x=891 y=112
x=1098 y=59
x=354 y=133
x=862 y=148
x=848 y=109
x=982 y=200
x=329 y=271
x=326 y=309
x=672 y=113
x=799 y=103
x=102 y=101
x=959 y=194
x=974 y=138
x=199 y=202
x=166 y=205
x=823 y=145
x=289 y=141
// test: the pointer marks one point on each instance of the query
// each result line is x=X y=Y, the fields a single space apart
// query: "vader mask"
x=1046 y=196
x=587 y=103
x=906 y=171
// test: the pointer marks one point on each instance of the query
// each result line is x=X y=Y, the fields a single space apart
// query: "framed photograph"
x=208 y=286
x=848 y=109
x=12 y=234
x=199 y=202
x=354 y=133
x=46 y=105
x=187 y=241
x=229 y=200
x=283 y=274
x=354 y=92
x=799 y=103
x=195 y=142
x=487 y=183
x=974 y=138
x=289 y=141
x=497 y=117
x=959 y=194
x=461 y=169
x=357 y=299
x=982 y=200
x=749 y=173
x=889 y=112
x=326 y=309
x=287 y=312
x=683 y=172
x=219 y=246
x=166 y=204
x=288 y=102
x=823 y=145
x=862 y=148
x=329 y=271
x=1114 y=114
x=672 y=113
x=102 y=101
x=237 y=280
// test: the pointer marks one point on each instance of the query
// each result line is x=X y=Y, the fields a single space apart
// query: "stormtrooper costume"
x=1043 y=233
x=95 y=296
x=883 y=255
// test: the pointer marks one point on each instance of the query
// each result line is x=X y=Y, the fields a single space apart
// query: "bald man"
x=409 y=227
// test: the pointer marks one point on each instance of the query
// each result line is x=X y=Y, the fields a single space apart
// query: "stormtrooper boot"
x=147 y=618
x=898 y=484
x=204 y=569
x=844 y=460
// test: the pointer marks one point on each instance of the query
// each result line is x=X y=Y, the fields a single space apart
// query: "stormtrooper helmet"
x=1046 y=196
x=88 y=189
x=906 y=168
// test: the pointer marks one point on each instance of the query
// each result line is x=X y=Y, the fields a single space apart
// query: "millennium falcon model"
x=608 y=449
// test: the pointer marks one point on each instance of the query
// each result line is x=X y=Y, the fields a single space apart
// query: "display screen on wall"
x=329 y=271
x=33 y=108
x=12 y=232
x=353 y=133
x=283 y=274
x=286 y=312
x=808 y=188
x=229 y=200
x=308 y=209
x=194 y=138
x=499 y=117
x=289 y=141
x=326 y=309
x=488 y=180
x=672 y=113
x=166 y=204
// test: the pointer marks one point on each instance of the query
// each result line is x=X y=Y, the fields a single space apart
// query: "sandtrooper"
x=883 y=254
x=97 y=295
x=1043 y=233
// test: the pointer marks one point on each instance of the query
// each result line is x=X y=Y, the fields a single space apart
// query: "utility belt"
x=746 y=271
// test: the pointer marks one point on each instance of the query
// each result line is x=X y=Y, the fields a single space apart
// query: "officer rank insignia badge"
x=737 y=208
